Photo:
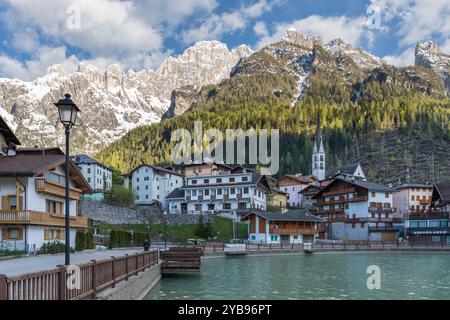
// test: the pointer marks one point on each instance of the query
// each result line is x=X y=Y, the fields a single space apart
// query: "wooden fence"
x=342 y=246
x=78 y=283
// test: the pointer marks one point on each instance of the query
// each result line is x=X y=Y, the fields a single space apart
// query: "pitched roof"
x=443 y=190
x=178 y=193
x=32 y=164
x=348 y=169
x=156 y=168
x=301 y=179
x=413 y=185
x=360 y=183
x=296 y=216
x=85 y=159
x=40 y=151
x=6 y=131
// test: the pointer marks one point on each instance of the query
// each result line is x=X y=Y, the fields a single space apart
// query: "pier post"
x=113 y=271
x=3 y=287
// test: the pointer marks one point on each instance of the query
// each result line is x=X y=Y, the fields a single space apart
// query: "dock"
x=235 y=249
x=181 y=260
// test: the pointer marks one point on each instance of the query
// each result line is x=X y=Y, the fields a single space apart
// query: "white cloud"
x=127 y=32
x=416 y=20
x=37 y=66
x=406 y=58
x=215 y=25
x=260 y=29
x=350 y=30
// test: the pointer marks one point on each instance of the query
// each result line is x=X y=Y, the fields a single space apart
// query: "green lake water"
x=316 y=276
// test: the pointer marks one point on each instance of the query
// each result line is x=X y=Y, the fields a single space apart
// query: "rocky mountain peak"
x=293 y=36
x=429 y=55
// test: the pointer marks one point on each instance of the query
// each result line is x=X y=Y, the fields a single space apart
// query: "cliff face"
x=112 y=102
x=429 y=55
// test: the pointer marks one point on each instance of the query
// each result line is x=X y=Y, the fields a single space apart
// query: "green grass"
x=222 y=228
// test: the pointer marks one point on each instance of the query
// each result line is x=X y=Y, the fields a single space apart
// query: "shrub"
x=121 y=195
x=203 y=230
x=84 y=240
x=139 y=238
x=119 y=239
x=53 y=247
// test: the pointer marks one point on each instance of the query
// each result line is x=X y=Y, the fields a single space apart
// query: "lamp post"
x=165 y=230
x=67 y=110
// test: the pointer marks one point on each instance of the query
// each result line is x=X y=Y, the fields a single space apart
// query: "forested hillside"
x=388 y=118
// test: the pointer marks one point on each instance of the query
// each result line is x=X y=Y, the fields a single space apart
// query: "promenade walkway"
x=14 y=267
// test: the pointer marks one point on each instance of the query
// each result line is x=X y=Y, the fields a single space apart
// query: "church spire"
x=318 y=156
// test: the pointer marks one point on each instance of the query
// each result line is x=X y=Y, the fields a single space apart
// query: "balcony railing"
x=43 y=185
x=305 y=231
x=338 y=192
x=381 y=210
x=384 y=229
x=428 y=215
x=40 y=218
x=345 y=200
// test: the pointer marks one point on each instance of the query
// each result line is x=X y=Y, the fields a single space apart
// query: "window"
x=227 y=206
x=146 y=187
x=137 y=179
x=146 y=196
x=242 y=205
x=194 y=193
x=146 y=178
x=254 y=237
x=435 y=238
x=434 y=224
x=273 y=238
x=412 y=198
x=232 y=180
x=219 y=192
x=232 y=191
x=193 y=181
x=198 y=207
x=137 y=188
x=206 y=192
x=210 y=206
x=219 y=180
x=53 y=206
x=244 y=179
x=206 y=181
x=13 y=234
x=386 y=195
x=373 y=194
x=413 y=224
x=89 y=180
x=245 y=190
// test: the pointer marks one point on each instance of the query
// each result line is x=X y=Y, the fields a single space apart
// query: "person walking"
x=146 y=245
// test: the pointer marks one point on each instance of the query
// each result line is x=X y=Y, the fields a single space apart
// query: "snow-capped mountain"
x=112 y=102
x=429 y=55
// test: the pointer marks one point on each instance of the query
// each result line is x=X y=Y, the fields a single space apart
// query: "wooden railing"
x=40 y=218
x=308 y=231
x=50 y=187
x=322 y=202
x=93 y=277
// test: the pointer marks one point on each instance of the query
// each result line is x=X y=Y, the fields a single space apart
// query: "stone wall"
x=112 y=214
x=136 y=288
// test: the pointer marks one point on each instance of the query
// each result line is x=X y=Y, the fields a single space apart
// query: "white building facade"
x=220 y=193
x=97 y=175
x=151 y=184
x=32 y=196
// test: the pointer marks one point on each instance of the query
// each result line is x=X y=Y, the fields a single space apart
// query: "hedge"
x=84 y=240
x=121 y=239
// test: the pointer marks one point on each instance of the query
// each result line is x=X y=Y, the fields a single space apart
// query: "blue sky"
x=142 y=34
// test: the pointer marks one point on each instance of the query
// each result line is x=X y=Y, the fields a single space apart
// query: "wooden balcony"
x=322 y=202
x=49 y=187
x=29 y=217
x=338 y=192
x=295 y=231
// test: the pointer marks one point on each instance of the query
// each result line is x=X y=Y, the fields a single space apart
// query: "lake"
x=317 y=276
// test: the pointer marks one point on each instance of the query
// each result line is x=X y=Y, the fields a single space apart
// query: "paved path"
x=24 y=265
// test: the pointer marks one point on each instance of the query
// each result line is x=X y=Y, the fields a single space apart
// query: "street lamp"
x=165 y=230
x=67 y=110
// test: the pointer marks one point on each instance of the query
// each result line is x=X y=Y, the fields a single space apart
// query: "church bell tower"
x=318 y=156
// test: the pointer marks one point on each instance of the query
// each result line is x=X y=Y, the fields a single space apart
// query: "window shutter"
x=20 y=203
x=5 y=233
x=20 y=234
x=5 y=203
x=46 y=234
